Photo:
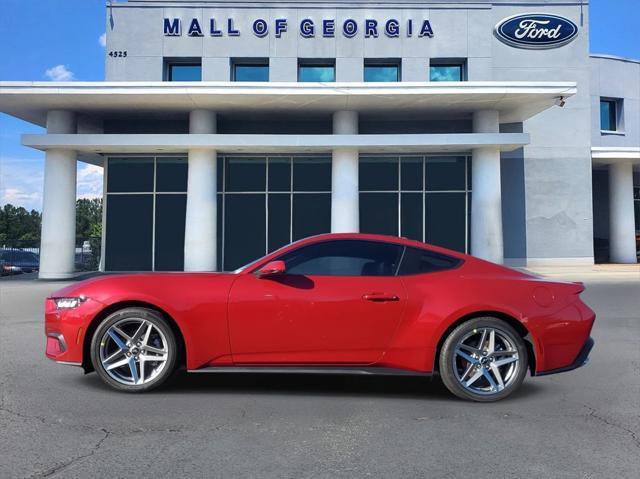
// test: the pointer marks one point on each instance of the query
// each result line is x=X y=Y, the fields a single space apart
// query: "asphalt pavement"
x=57 y=422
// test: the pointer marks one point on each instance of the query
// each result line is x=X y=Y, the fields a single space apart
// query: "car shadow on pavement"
x=328 y=385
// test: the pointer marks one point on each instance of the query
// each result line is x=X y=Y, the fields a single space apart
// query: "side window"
x=344 y=258
x=417 y=261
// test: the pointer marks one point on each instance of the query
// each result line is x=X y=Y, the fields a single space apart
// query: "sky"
x=63 y=40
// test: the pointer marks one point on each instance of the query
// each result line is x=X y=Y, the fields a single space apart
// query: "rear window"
x=418 y=261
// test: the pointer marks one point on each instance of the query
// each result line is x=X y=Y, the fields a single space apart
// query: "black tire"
x=447 y=361
x=162 y=328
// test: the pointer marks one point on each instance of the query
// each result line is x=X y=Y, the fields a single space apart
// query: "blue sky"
x=61 y=40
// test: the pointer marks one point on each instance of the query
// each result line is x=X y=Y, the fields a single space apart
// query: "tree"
x=88 y=218
x=18 y=224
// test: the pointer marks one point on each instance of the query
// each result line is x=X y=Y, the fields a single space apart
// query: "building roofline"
x=614 y=57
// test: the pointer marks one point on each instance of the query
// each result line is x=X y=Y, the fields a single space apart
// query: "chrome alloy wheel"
x=133 y=351
x=486 y=361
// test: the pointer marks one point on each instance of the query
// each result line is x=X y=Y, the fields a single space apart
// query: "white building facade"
x=229 y=129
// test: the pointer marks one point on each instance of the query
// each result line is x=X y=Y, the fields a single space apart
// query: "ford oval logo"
x=536 y=31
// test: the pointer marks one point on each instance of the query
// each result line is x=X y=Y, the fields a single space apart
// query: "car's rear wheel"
x=483 y=359
x=134 y=350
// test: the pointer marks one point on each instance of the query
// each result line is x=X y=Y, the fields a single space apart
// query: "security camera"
x=560 y=101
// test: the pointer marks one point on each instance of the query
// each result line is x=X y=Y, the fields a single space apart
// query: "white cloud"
x=21 y=182
x=102 y=40
x=89 y=181
x=59 y=73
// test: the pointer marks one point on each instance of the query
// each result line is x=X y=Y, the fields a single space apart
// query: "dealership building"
x=227 y=129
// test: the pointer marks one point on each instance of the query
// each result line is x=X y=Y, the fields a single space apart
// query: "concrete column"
x=200 y=231
x=345 y=204
x=486 y=197
x=58 y=233
x=622 y=229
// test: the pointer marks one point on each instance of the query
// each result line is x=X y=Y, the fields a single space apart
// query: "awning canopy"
x=515 y=101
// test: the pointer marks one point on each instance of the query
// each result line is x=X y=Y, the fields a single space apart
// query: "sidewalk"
x=597 y=272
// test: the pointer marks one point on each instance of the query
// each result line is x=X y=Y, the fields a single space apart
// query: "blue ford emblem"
x=536 y=31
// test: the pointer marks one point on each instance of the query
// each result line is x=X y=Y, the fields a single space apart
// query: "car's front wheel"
x=483 y=359
x=134 y=350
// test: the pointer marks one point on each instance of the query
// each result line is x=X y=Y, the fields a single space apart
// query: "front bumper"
x=581 y=360
x=65 y=330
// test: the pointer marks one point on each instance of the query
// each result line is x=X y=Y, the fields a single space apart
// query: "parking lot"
x=57 y=422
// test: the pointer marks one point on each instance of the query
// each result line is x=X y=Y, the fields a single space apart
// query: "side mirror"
x=272 y=268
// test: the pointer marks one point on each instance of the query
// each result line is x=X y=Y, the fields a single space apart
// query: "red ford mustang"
x=335 y=303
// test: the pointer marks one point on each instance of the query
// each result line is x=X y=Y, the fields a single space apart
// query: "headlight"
x=69 y=303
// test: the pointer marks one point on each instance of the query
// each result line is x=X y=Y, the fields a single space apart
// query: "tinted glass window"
x=129 y=232
x=608 y=115
x=312 y=174
x=184 y=72
x=316 y=73
x=279 y=174
x=169 y=234
x=445 y=73
x=416 y=261
x=412 y=215
x=411 y=174
x=244 y=229
x=130 y=175
x=378 y=174
x=344 y=258
x=250 y=72
x=279 y=220
x=445 y=220
x=171 y=174
x=245 y=174
x=311 y=214
x=381 y=73
x=379 y=213
x=445 y=173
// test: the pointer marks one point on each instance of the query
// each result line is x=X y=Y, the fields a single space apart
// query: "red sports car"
x=334 y=303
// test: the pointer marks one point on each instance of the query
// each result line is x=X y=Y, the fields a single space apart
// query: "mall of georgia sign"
x=536 y=31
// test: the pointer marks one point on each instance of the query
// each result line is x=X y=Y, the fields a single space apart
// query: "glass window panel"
x=279 y=220
x=445 y=173
x=378 y=174
x=129 y=232
x=279 y=174
x=250 y=72
x=311 y=214
x=245 y=174
x=445 y=222
x=130 y=175
x=411 y=173
x=220 y=231
x=245 y=229
x=417 y=261
x=171 y=174
x=381 y=73
x=185 y=72
x=608 y=120
x=445 y=72
x=316 y=73
x=169 y=242
x=379 y=213
x=312 y=174
x=220 y=172
x=344 y=258
x=412 y=215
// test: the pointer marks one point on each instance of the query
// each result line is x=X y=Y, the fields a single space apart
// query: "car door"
x=339 y=302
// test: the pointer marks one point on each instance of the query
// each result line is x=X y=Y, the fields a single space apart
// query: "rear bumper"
x=581 y=360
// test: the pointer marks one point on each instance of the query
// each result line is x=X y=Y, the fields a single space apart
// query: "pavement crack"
x=594 y=414
x=65 y=465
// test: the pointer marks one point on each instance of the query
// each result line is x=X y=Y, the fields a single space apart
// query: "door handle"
x=380 y=297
